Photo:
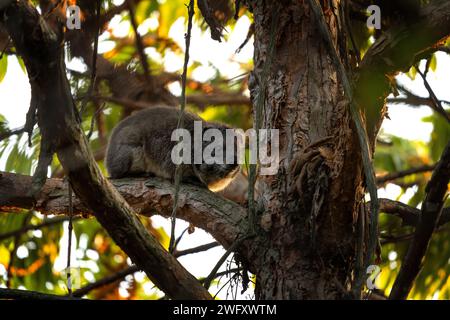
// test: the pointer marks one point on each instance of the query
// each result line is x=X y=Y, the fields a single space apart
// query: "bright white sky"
x=405 y=121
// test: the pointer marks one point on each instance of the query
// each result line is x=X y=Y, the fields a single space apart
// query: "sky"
x=405 y=122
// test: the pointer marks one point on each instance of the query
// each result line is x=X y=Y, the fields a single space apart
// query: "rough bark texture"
x=309 y=245
x=311 y=211
x=222 y=218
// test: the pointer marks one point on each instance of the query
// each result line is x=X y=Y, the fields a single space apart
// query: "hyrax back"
x=141 y=145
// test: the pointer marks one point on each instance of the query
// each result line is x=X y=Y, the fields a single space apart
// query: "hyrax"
x=141 y=144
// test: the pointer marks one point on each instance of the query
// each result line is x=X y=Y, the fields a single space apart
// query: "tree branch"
x=436 y=102
x=381 y=180
x=130 y=270
x=429 y=218
x=30 y=295
x=222 y=218
x=139 y=43
x=47 y=223
x=414 y=100
x=208 y=14
x=200 y=100
x=409 y=215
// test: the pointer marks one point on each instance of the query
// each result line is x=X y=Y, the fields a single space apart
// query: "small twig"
x=410 y=216
x=437 y=103
x=198 y=249
x=224 y=285
x=218 y=275
x=413 y=99
x=30 y=295
x=232 y=248
x=381 y=180
x=93 y=79
x=178 y=240
x=139 y=42
x=130 y=270
x=250 y=33
x=386 y=239
x=8 y=134
x=28 y=127
x=105 y=281
x=47 y=223
x=178 y=171
x=94 y=117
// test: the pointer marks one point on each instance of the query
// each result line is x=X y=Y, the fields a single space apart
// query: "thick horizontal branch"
x=222 y=218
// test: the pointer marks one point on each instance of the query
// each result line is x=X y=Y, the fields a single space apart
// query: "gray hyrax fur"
x=141 y=145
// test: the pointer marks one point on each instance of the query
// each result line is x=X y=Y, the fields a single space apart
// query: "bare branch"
x=214 y=25
x=30 y=295
x=105 y=281
x=198 y=249
x=409 y=215
x=381 y=180
x=414 y=100
x=201 y=100
x=47 y=223
x=130 y=270
x=429 y=219
x=436 y=102
x=11 y=133
x=139 y=43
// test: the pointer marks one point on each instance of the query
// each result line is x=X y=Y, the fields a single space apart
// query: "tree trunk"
x=311 y=204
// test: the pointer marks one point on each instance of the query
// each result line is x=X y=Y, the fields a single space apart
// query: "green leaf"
x=3 y=67
x=433 y=63
x=412 y=73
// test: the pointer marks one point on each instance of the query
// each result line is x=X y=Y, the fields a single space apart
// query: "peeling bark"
x=311 y=206
x=308 y=250
x=222 y=218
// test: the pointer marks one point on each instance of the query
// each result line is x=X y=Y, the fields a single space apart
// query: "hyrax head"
x=219 y=164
